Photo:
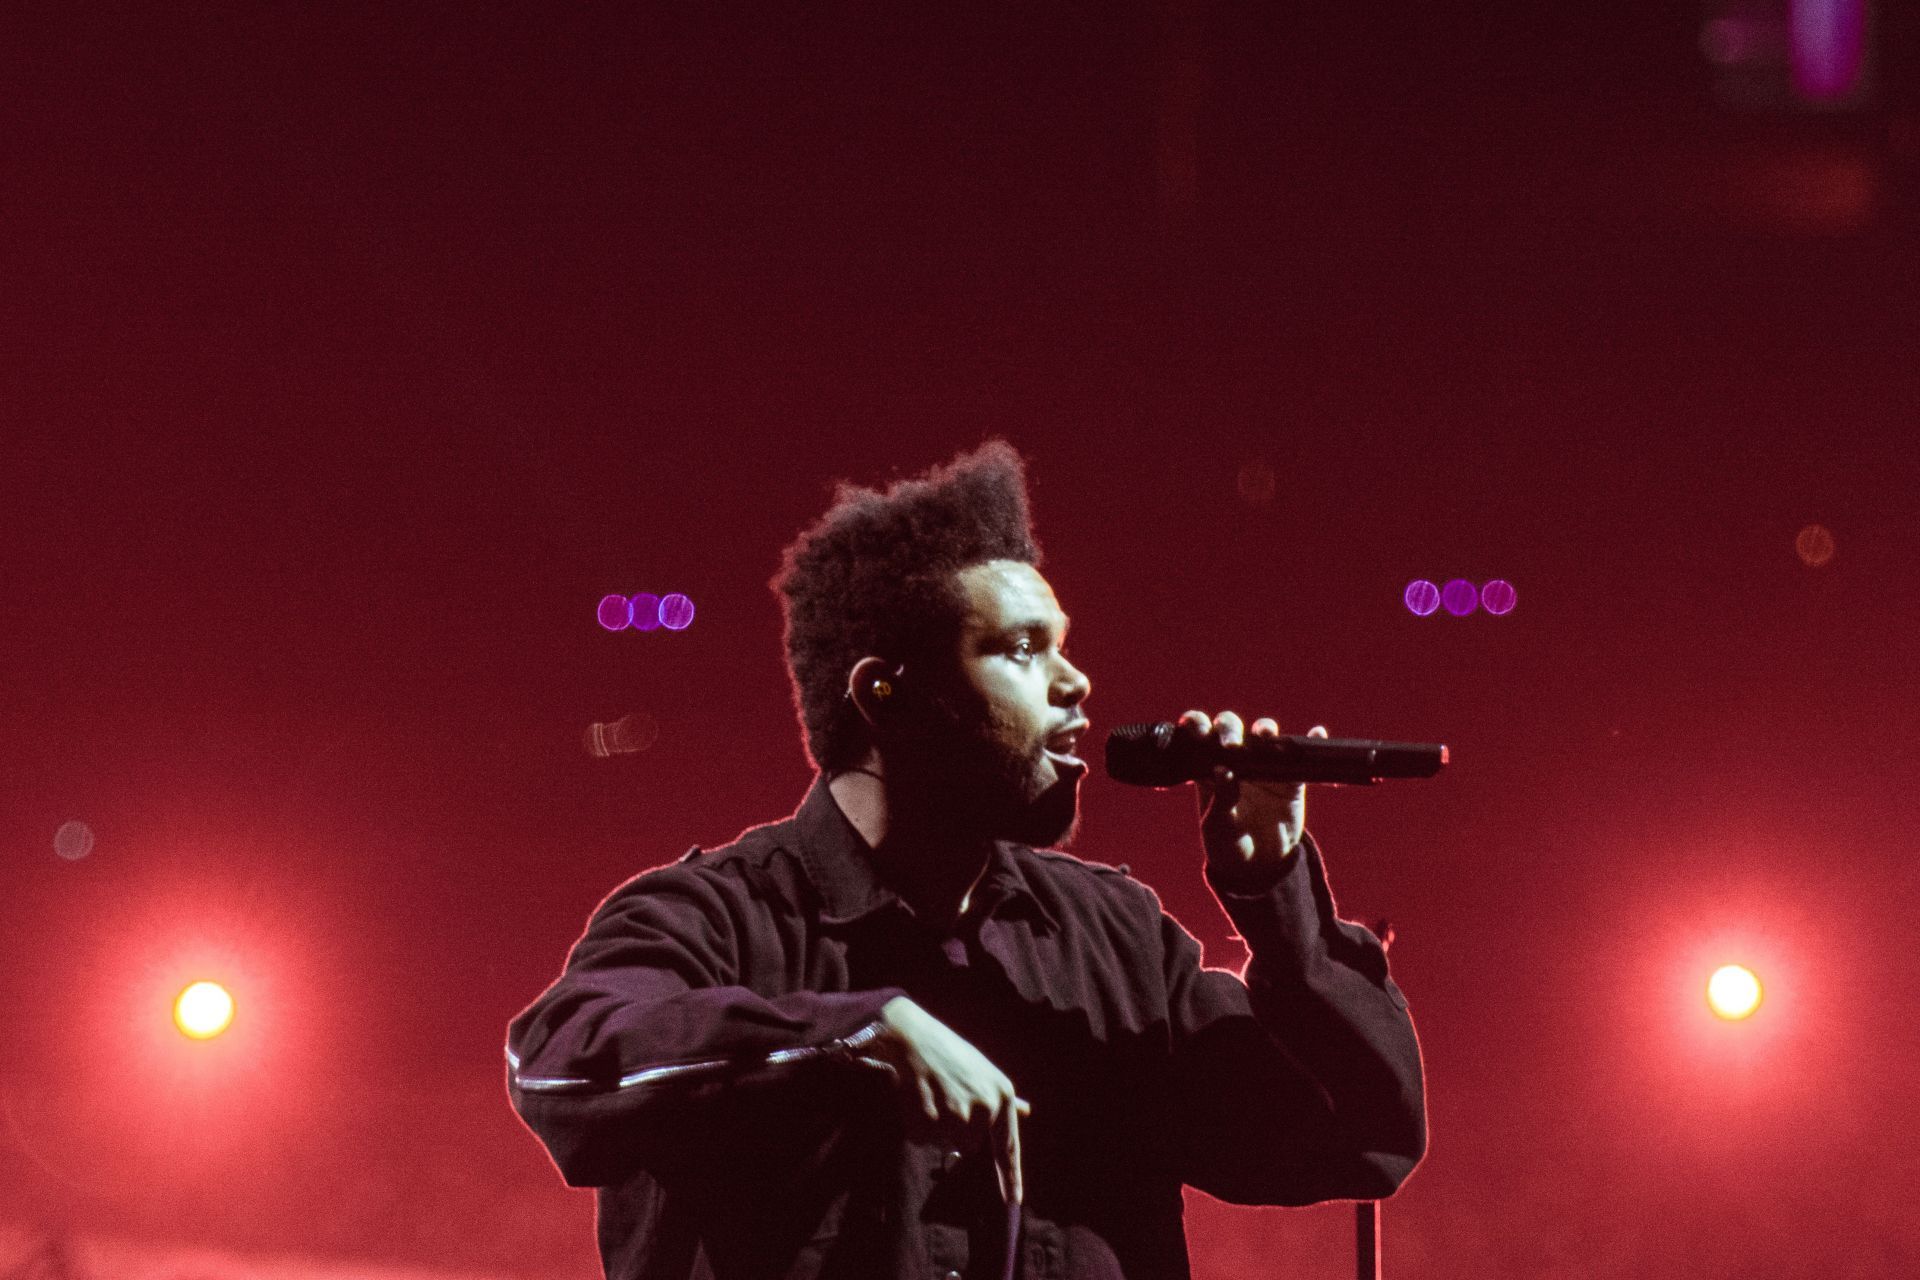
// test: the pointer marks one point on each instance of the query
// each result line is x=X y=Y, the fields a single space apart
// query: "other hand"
x=1249 y=828
x=951 y=1090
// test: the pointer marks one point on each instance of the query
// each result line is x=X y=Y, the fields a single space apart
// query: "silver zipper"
x=672 y=1073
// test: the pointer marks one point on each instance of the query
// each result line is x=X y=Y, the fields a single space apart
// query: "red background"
x=351 y=353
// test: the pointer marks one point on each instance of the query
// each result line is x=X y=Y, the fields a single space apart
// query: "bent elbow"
x=1378 y=1174
x=588 y=1144
x=1382 y=1175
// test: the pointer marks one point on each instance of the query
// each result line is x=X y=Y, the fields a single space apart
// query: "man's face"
x=1012 y=707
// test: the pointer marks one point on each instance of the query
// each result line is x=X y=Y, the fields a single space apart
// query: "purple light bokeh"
x=1498 y=597
x=646 y=611
x=1460 y=597
x=1827 y=41
x=1422 y=597
x=614 y=612
x=676 y=612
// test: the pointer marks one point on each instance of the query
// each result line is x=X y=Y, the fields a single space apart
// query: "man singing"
x=890 y=1036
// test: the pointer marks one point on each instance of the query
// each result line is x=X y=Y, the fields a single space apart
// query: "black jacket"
x=700 y=1063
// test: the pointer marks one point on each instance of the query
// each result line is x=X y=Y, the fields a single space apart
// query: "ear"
x=873 y=685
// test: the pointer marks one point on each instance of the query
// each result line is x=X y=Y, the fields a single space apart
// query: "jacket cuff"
x=1290 y=926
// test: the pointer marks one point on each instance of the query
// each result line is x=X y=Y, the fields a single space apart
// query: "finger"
x=929 y=1104
x=979 y=1130
x=1218 y=795
x=1265 y=727
x=874 y=1062
x=1013 y=1132
x=1194 y=725
x=1006 y=1163
x=1229 y=729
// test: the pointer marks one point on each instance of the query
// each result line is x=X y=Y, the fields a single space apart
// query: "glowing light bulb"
x=1733 y=992
x=203 y=1010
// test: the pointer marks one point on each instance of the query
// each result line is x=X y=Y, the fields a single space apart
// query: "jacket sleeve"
x=1301 y=1081
x=663 y=1011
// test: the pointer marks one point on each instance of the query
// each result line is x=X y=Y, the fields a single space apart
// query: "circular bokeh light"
x=624 y=736
x=1459 y=597
x=1256 y=483
x=73 y=841
x=1733 y=992
x=646 y=611
x=676 y=612
x=614 y=612
x=1498 y=597
x=1422 y=597
x=632 y=733
x=203 y=1010
x=1814 y=545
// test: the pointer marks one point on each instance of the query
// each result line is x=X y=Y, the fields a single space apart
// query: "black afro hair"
x=875 y=576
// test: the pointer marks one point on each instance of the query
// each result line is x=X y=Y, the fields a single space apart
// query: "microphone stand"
x=1366 y=1213
x=1366 y=1240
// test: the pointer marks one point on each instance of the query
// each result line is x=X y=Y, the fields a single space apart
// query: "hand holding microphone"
x=1251 y=784
x=1250 y=828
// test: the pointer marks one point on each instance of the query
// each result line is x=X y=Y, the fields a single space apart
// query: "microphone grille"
x=1137 y=754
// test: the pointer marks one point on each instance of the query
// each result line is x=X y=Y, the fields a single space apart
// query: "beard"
x=976 y=777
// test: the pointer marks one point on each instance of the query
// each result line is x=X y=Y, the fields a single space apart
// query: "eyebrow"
x=1029 y=626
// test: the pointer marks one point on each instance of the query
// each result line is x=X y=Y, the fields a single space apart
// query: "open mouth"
x=1064 y=747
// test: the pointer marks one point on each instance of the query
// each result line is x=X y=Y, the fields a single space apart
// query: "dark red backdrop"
x=352 y=353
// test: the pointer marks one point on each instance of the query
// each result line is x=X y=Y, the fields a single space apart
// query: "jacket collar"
x=840 y=867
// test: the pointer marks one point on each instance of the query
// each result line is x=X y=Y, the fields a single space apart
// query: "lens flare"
x=1421 y=597
x=1733 y=992
x=203 y=1010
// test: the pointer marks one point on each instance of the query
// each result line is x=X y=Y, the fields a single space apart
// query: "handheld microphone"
x=1158 y=755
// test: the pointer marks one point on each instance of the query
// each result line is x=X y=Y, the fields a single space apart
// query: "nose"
x=1070 y=685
